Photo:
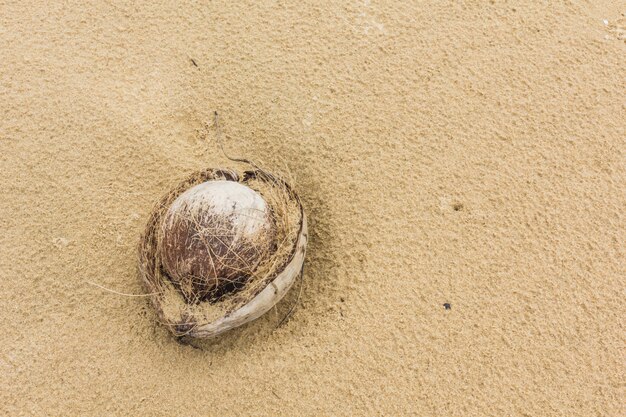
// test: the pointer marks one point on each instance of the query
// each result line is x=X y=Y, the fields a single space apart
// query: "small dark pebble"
x=447 y=306
x=342 y=299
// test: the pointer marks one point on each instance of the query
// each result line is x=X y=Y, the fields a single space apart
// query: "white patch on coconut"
x=246 y=209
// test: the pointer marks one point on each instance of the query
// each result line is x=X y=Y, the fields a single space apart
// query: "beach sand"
x=461 y=153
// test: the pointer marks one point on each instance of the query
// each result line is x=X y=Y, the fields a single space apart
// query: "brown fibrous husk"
x=174 y=310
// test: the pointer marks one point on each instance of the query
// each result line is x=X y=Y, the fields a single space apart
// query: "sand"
x=468 y=153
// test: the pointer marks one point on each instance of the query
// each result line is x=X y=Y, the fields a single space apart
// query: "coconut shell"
x=209 y=318
x=209 y=247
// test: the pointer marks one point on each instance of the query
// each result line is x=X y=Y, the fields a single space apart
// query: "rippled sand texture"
x=467 y=153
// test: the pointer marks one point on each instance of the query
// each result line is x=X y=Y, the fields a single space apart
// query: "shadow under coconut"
x=311 y=291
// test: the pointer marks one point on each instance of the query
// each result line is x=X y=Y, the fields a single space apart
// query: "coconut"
x=221 y=249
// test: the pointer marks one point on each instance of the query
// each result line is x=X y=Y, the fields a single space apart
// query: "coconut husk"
x=268 y=284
